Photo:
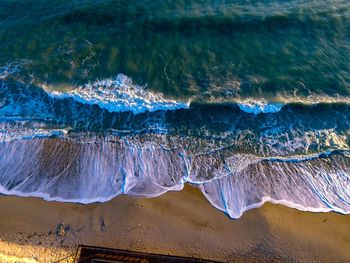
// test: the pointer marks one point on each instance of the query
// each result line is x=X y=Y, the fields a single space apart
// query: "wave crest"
x=261 y=106
x=119 y=95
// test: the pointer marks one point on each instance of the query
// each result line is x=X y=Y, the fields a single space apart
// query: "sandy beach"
x=177 y=223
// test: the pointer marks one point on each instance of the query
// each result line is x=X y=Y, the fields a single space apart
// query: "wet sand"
x=177 y=223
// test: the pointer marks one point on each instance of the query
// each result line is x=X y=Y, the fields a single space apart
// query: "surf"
x=93 y=142
x=66 y=171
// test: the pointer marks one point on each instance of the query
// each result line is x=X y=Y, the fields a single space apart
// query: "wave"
x=63 y=170
x=261 y=106
x=119 y=95
x=274 y=105
x=294 y=128
x=315 y=185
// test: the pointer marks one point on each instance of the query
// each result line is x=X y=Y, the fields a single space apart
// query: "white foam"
x=259 y=106
x=310 y=186
x=12 y=67
x=268 y=199
x=102 y=171
x=20 y=130
x=119 y=95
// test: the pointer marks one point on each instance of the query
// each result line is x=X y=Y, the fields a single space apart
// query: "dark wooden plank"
x=89 y=254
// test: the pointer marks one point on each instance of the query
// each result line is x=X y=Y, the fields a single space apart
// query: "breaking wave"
x=119 y=95
x=256 y=107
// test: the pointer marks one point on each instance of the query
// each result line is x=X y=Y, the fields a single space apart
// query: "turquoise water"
x=205 y=49
x=249 y=100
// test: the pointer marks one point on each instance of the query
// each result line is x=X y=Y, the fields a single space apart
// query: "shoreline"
x=177 y=223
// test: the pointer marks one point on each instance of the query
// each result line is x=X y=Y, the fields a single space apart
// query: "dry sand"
x=177 y=223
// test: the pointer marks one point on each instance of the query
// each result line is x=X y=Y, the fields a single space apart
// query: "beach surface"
x=177 y=223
